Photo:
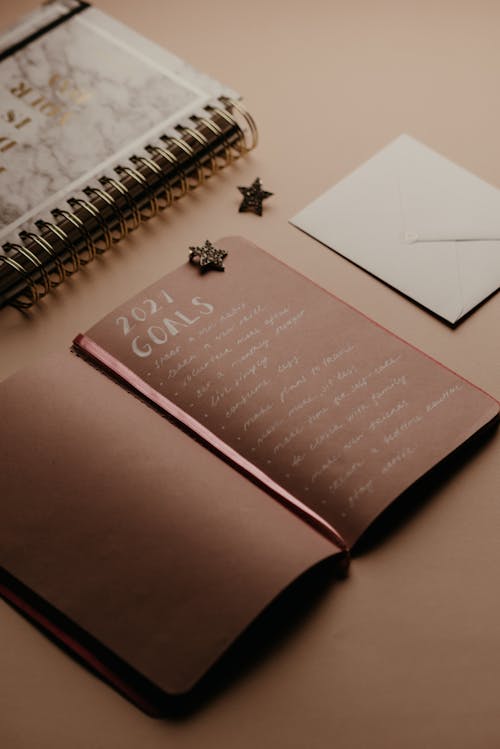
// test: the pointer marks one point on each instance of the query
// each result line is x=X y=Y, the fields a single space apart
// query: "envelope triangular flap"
x=361 y=218
x=442 y=203
x=442 y=200
x=417 y=221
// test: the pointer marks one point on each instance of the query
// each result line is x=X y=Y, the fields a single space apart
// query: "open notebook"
x=251 y=426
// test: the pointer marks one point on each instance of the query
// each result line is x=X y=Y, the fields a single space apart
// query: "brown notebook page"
x=336 y=410
x=127 y=526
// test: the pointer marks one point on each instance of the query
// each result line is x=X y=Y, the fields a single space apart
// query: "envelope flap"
x=442 y=201
x=417 y=221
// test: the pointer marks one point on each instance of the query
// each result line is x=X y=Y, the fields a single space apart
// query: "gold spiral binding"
x=135 y=216
x=247 y=117
x=197 y=136
x=171 y=159
x=68 y=244
x=142 y=181
x=18 y=301
x=94 y=213
x=189 y=151
x=174 y=166
x=165 y=187
x=79 y=225
x=44 y=280
x=106 y=198
x=49 y=251
x=217 y=131
x=243 y=146
x=239 y=146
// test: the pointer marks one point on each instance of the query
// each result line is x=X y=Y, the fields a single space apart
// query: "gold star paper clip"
x=253 y=197
x=207 y=257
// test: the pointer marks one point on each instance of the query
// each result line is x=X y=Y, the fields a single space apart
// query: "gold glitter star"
x=207 y=257
x=253 y=197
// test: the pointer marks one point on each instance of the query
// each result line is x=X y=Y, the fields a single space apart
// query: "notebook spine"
x=115 y=206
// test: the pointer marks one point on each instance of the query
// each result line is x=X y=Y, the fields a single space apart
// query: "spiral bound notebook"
x=151 y=522
x=101 y=130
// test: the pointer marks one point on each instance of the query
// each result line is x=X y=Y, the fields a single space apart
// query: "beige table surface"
x=406 y=652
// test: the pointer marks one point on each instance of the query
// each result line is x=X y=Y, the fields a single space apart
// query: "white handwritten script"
x=331 y=407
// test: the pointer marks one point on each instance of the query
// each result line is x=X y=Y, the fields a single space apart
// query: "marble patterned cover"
x=78 y=100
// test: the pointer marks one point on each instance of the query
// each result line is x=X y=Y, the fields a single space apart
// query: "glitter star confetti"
x=207 y=257
x=253 y=197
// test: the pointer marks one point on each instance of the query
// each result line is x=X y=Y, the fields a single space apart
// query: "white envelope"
x=417 y=221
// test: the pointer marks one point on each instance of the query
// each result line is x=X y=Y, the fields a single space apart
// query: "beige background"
x=406 y=652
